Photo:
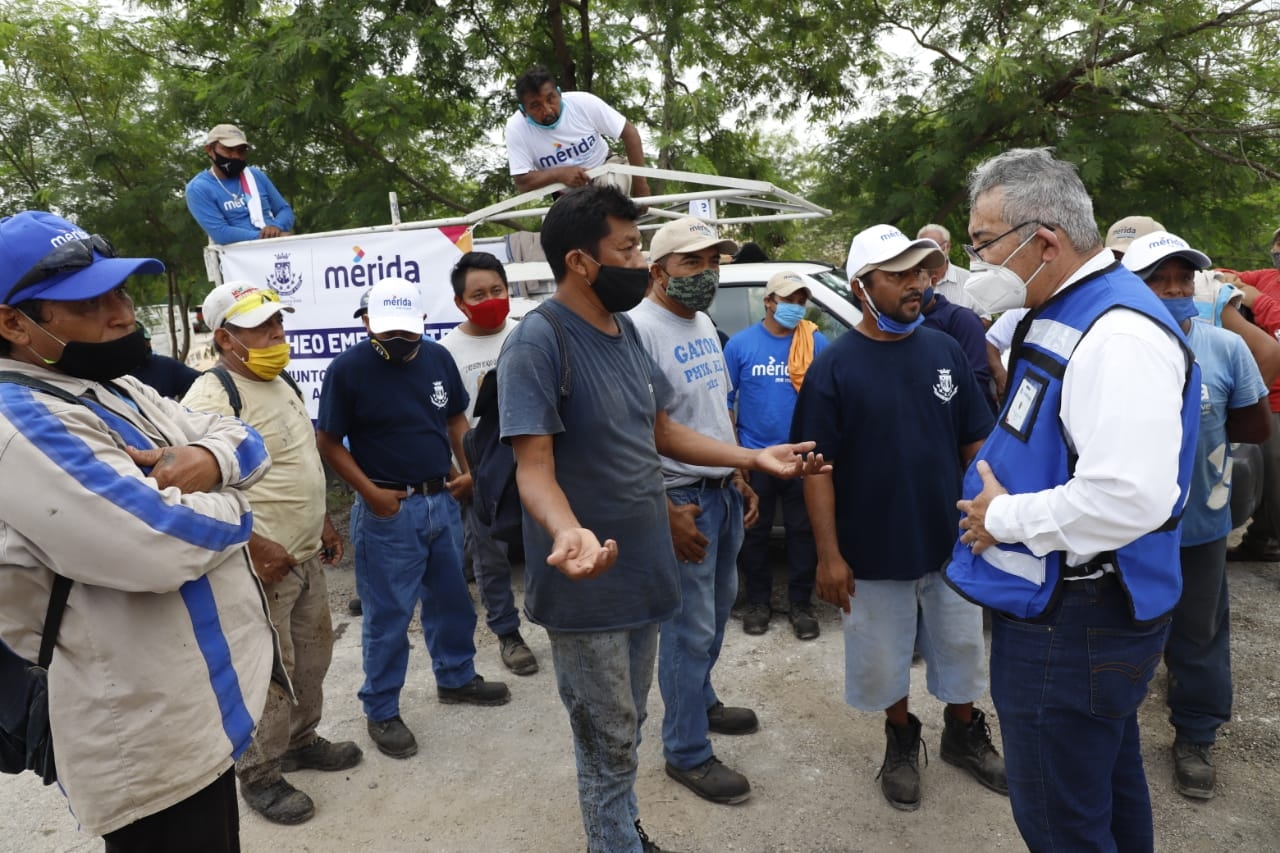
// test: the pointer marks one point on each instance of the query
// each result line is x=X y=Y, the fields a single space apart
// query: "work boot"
x=477 y=691
x=968 y=746
x=712 y=781
x=393 y=737
x=320 y=754
x=354 y=607
x=279 y=802
x=900 y=774
x=755 y=619
x=724 y=720
x=1193 y=772
x=1255 y=550
x=516 y=654
x=802 y=621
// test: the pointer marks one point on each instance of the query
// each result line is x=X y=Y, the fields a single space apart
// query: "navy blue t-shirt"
x=892 y=417
x=964 y=325
x=395 y=416
x=606 y=464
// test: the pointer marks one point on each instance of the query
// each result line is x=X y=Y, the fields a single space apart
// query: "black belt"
x=434 y=486
x=1105 y=565
x=709 y=483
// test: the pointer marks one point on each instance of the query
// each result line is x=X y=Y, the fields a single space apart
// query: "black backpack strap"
x=15 y=378
x=288 y=380
x=53 y=618
x=566 y=373
x=228 y=385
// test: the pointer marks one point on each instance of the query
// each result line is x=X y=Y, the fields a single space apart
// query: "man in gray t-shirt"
x=704 y=507
x=588 y=462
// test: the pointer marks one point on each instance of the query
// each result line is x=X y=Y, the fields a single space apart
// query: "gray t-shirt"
x=688 y=353
x=606 y=463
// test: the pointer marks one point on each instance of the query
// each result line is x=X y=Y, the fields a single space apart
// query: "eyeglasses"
x=248 y=302
x=72 y=255
x=975 y=252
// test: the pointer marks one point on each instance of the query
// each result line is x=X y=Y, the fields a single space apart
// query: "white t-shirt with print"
x=475 y=356
x=579 y=139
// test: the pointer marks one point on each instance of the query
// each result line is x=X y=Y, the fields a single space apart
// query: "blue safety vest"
x=1028 y=452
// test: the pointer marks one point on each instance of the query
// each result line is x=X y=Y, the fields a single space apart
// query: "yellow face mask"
x=265 y=362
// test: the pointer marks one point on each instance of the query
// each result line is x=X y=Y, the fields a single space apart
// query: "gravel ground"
x=502 y=779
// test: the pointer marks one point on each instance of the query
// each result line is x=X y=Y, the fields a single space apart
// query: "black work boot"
x=900 y=774
x=969 y=747
x=1193 y=772
x=278 y=802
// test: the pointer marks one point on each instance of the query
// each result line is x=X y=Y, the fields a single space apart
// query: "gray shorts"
x=889 y=620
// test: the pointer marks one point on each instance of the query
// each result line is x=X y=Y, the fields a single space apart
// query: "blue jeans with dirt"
x=689 y=642
x=1067 y=688
x=1198 y=655
x=412 y=556
x=604 y=679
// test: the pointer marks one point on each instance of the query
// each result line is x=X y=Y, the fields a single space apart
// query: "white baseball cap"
x=1146 y=253
x=884 y=247
x=243 y=304
x=395 y=305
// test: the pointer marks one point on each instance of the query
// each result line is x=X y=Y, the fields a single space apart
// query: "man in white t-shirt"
x=556 y=137
x=481 y=294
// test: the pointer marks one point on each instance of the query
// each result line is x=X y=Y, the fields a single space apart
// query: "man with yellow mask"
x=292 y=536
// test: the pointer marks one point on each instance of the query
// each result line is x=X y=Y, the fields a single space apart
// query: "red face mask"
x=490 y=313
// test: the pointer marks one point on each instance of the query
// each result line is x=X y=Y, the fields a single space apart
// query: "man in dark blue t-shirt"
x=398 y=400
x=897 y=410
x=600 y=568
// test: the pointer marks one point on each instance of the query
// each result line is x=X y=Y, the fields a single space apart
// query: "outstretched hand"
x=791 y=460
x=578 y=554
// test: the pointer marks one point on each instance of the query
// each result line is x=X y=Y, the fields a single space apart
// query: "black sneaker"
x=900 y=774
x=969 y=747
x=724 y=720
x=320 y=754
x=1193 y=772
x=477 y=691
x=712 y=781
x=516 y=654
x=755 y=619
x=393 y=737
x=803 y=621
x=279 y=802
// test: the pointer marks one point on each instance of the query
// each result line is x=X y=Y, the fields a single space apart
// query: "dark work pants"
x=802 y=554
x=208 y=821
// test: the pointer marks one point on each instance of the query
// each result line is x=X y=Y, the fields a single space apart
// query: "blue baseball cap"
x=43 y=256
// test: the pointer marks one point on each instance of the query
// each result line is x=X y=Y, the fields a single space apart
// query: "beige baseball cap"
x=1124 y=231
x=226 y=134
x=687 y=235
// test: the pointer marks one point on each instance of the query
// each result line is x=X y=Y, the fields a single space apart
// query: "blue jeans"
x=493 y=574
x=415 y=555
x=691 y=639
x=1067 y=689
x=802 y=553
x=1198 y=655
x=604 y=681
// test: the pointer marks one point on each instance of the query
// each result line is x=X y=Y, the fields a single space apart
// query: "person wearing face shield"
x=555 y=137
x=767 y=364
x=1233 y=408
x=232 y=200
x=896 y=402
x=399 y=400
x=1071 y=517
x=601 y=572
x=705 y=506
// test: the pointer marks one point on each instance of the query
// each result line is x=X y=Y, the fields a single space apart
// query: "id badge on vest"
x=1024 y=404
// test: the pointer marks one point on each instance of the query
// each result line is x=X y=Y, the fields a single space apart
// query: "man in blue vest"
x=1071 y=524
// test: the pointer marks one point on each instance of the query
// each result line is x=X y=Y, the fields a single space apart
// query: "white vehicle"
x=740 y=300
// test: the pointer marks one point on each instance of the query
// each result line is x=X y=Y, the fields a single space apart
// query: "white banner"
x=323 y=278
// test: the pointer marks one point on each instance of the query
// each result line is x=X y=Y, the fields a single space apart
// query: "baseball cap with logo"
x=227 y=134
x=1125 y=231
x=687 y=235
x=43 y=256
x=884 y=247
x=364 y=306
x=395 y=305
x=243 y=304
x=784 y=284
x=1146 y=253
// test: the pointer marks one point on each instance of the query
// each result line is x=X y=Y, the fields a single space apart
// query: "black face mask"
x=99 y=362
x=620 y=288
x=396 y=350
x=230 y=166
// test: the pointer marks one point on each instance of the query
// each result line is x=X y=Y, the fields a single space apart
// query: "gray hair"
x=933 y=226
x=1039 y=188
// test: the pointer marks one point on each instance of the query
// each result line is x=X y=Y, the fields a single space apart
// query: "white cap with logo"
x=242 y=304
x=1146 y=253
x=395 y=305
x=884 y=247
